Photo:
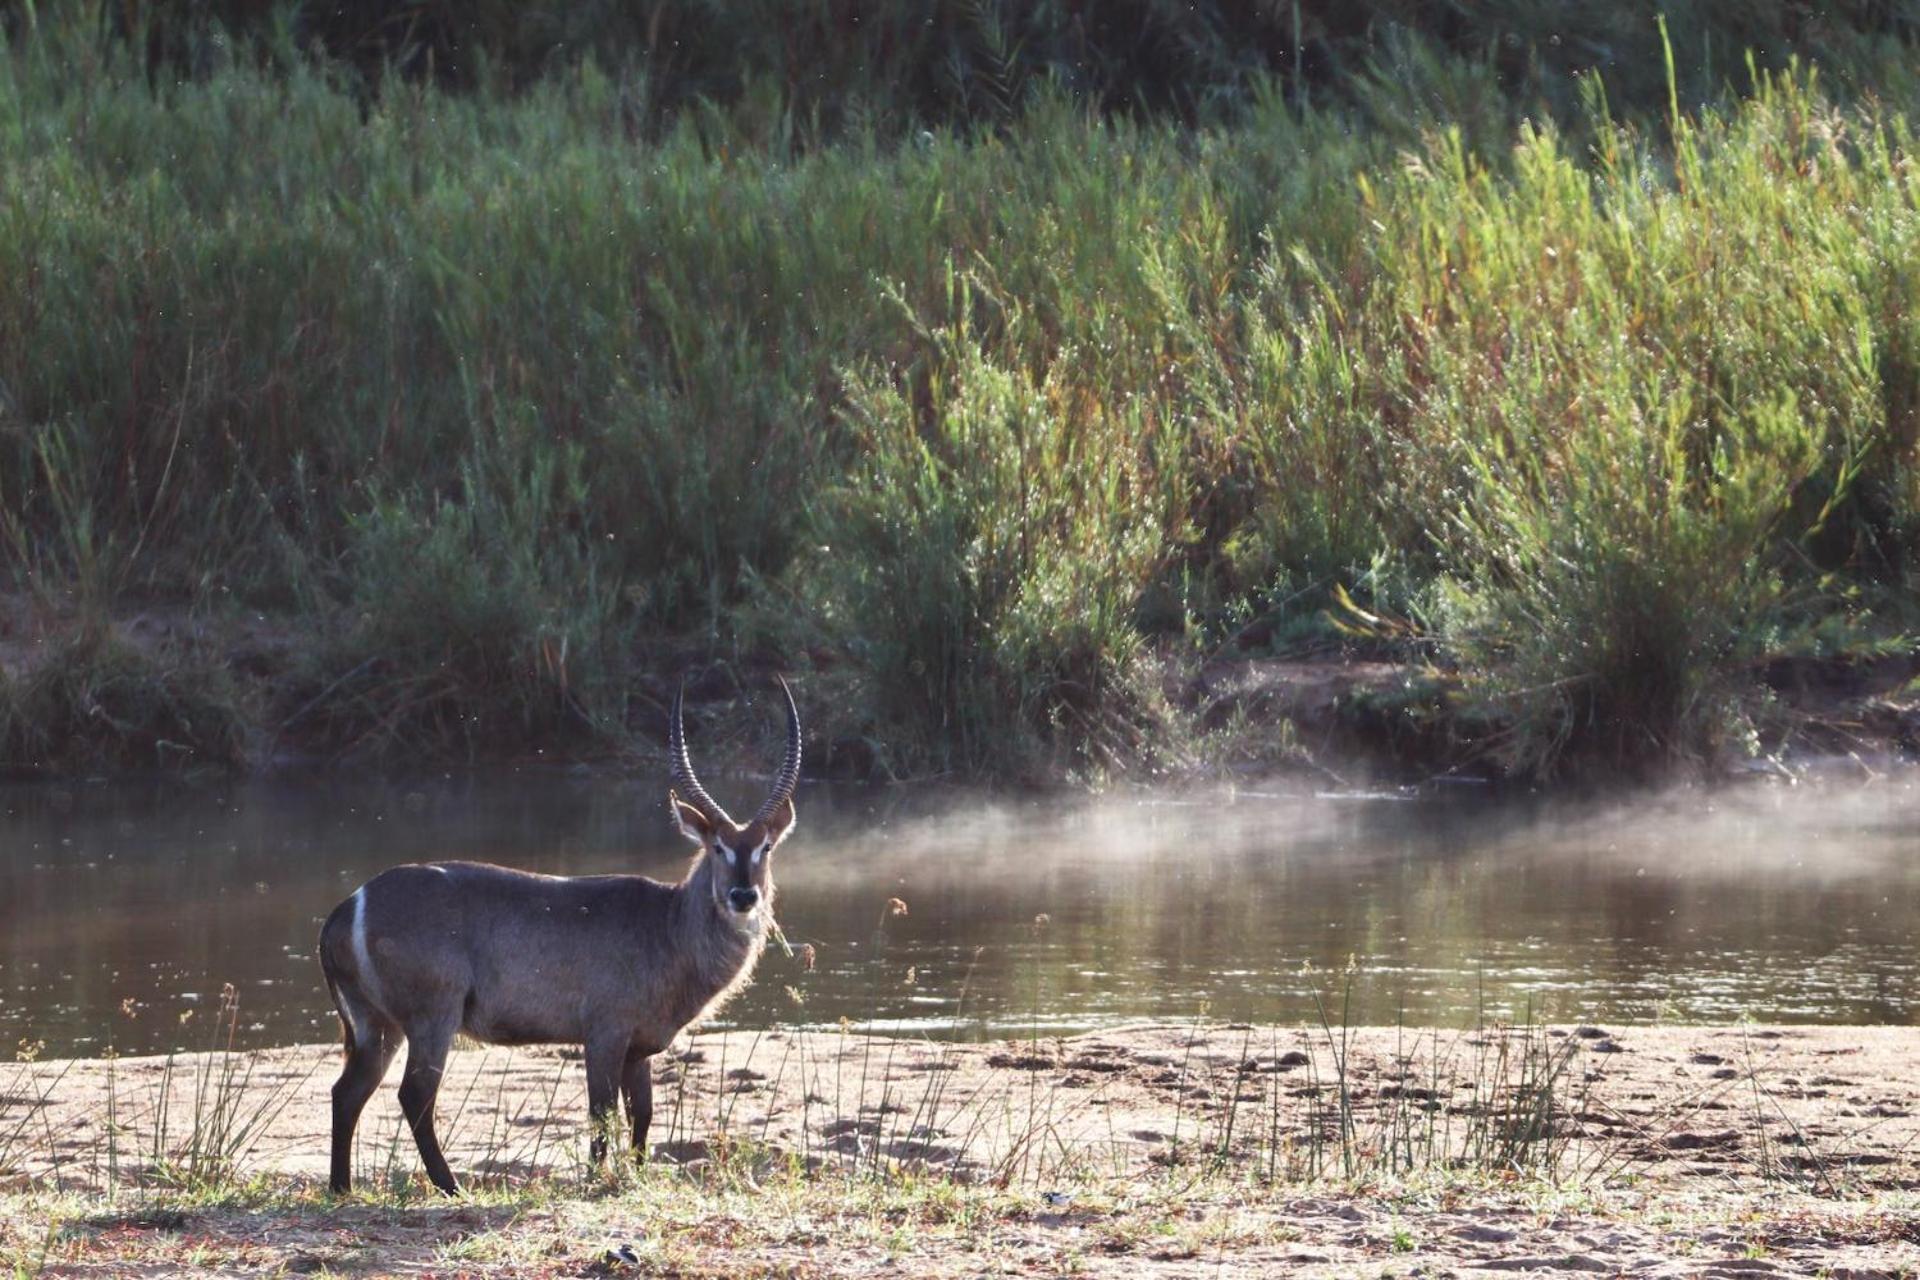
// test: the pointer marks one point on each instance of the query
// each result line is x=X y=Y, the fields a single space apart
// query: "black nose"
x=743 y=899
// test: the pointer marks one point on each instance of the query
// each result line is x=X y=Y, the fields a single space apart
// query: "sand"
x=1669 y=1150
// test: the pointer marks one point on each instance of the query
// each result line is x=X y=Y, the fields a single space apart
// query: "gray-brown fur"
x=618 y=964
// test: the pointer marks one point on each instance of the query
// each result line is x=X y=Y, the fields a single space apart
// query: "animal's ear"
x=693 y=824
x=780 y=822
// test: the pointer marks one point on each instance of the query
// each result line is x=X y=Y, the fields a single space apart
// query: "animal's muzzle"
x=743 y=900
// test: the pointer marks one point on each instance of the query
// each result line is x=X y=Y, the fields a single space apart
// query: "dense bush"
x=507 y=394
x=812 y=68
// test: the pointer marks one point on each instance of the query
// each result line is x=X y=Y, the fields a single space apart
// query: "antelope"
x=618 y=963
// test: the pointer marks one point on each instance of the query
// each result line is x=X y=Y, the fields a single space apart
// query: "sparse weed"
x=230 y=1111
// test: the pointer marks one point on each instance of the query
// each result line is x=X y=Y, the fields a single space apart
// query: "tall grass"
x=502 y=396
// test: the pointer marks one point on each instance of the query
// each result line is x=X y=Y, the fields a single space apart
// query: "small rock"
x=1697 y=1141
x=1565 y=1262
x=1020 y=1062
x=1484 y=1233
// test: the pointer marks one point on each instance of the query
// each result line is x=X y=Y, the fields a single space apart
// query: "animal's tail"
x=333 y=942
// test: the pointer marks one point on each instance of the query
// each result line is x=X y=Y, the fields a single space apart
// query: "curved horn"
x=683 y=779
x=789 y=775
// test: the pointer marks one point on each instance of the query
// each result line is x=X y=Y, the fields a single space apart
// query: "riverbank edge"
x=167 y=691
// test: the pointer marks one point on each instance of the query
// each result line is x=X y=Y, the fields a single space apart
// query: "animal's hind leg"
x=367 y=1061
x=427 y=1045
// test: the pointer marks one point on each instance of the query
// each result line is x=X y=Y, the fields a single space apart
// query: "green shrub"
x=1610 y=491
x=985 y=554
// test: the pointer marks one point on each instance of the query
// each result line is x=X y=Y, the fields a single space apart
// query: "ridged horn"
x=684 y=782
x=789 y=775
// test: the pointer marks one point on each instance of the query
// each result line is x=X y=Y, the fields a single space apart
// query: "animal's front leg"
x=636 y=1082
x=605 y=1059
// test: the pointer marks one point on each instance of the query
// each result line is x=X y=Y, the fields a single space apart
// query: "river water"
x=125 y=908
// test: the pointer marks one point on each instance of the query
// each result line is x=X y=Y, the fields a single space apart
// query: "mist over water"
x=1796 y=905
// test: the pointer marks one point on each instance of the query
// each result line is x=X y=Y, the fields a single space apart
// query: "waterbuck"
x=619 y=964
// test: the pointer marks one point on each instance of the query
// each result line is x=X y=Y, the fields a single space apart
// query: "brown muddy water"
x=125 y=908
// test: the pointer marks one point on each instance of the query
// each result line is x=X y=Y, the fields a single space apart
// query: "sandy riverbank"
x=1668 y=1150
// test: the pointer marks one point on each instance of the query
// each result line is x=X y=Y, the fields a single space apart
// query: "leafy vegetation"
x=508 y=377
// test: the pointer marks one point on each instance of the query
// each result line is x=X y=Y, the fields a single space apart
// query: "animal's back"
x=515 y=957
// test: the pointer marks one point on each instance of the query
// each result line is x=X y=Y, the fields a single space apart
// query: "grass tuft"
x=95 y=701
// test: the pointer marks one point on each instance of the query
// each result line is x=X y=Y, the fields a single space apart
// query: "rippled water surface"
x=125 y=908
